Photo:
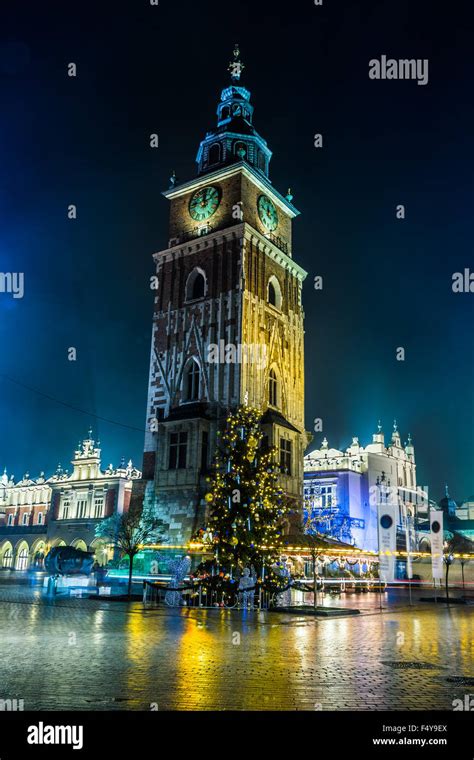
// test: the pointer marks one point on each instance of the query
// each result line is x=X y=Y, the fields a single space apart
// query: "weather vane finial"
x=236 y=66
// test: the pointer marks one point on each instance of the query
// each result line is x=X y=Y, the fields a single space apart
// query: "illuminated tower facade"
x=228 y=318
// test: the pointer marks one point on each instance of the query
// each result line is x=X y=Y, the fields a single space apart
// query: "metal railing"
x=278 y=241
x=202 y=596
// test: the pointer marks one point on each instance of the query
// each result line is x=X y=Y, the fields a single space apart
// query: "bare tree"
x=131 y=531
x=455 y=544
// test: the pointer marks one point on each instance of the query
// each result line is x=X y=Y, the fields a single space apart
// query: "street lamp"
x=449 y=559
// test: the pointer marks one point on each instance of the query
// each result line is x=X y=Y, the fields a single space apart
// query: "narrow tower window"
x=285 y=456
x=192 y=378
x=271 y=294
x=214 y=153
x=195 y=285
x=274 y=293
x=198 y=287
x=272 y=388
x=178 y=451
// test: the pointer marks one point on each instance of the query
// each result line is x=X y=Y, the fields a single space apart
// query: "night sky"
x=387 y=282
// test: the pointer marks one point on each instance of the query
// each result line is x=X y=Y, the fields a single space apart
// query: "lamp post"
x=409 y=568
x=449 y=559
x=315 y=580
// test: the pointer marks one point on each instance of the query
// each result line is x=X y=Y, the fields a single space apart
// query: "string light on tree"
x=247 y=506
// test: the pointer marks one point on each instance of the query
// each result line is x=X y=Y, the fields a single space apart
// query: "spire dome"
x=379 y=437
x=448 y=505
x=409 y=448
x=396 y=435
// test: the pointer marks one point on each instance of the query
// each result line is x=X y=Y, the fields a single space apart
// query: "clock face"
x=204 y=203
x=267 y=213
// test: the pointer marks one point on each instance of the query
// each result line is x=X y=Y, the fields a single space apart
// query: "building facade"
x=79 y=501
x=228 y=318
x=24 y=509
x=63 y=509
x=342 y=488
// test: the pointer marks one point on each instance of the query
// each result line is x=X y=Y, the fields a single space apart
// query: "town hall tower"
x=227 y=280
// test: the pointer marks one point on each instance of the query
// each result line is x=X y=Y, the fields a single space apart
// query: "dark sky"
x=387 y=283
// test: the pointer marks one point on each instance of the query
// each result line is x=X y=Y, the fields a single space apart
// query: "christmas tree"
x=247 y=506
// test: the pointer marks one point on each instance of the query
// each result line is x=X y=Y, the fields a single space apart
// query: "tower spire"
x=235 y=139
x=236 y=66
x=379 y=437
x=396 y=435
x=409 y=448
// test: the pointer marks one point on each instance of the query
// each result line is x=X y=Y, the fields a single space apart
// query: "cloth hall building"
x=36 y=514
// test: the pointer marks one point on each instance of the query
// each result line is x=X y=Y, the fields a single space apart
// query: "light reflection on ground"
x=82 y=654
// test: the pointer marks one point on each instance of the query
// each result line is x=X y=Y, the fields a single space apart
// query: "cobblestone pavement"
x=101 y=655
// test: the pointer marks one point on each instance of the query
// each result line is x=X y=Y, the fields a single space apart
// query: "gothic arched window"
x=271 y=294
x=22 y=559
x=7 y=558
x=272 y=388
x=192 y=377
x=261 y=161
x=196 y=285
x=214 y=154
x=274 y=293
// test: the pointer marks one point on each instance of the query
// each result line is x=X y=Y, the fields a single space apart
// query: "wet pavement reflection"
x=102 y=655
